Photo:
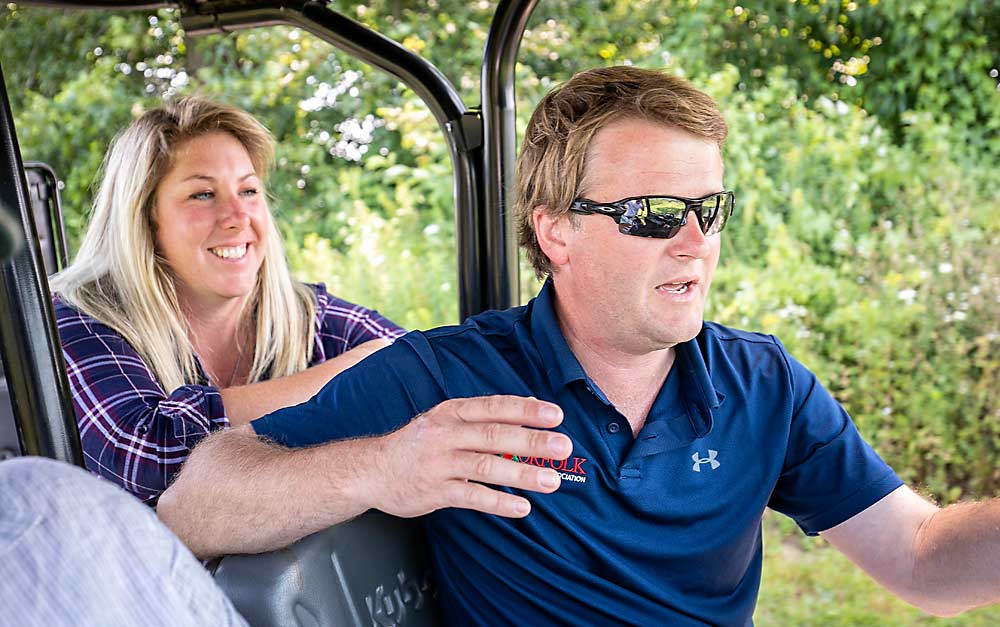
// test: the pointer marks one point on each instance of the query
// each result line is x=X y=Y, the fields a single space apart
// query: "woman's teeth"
x=229 y=252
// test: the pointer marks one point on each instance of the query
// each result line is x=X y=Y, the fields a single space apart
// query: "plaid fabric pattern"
x=137 y=435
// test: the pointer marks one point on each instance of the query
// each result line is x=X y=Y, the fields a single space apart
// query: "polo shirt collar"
x=562 y=366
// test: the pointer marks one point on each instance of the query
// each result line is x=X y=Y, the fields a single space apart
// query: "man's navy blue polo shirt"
x=660 y=529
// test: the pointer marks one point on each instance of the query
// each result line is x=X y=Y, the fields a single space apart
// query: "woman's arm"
x=345 y=334
x=133 y=433
x=248 y=402
x=137 y=435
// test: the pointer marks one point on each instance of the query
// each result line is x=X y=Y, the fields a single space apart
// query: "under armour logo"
x=698 y=461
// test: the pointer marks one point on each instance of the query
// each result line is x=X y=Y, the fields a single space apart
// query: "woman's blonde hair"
x=118 y=278
x=550 y=167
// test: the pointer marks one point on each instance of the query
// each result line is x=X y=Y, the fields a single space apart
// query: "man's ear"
x=552 y=233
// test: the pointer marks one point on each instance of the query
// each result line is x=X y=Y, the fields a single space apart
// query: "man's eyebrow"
x=211 y=179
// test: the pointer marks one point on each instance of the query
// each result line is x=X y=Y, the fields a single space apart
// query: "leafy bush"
x=862 y=148
x=878 y=265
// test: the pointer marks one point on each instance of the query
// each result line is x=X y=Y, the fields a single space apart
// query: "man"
x=669 y=436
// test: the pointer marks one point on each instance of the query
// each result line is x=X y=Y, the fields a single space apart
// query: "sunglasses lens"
x=667 y=207
x=651 y=217
x=663 y=217
x=715 y=212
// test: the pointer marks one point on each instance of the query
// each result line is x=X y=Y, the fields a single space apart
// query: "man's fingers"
x=519 y=410
x=512 y=440
x=469 y=495
x=496 y=470
x=457 y=447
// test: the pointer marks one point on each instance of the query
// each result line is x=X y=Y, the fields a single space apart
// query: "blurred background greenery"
x=863 y=151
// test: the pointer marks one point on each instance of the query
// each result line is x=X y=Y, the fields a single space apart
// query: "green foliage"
x=864 y=137
x=402 y=263
x=806 y=583
x=867 y=222
x=877 y=263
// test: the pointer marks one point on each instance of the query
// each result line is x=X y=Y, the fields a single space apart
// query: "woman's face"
x=211 y=221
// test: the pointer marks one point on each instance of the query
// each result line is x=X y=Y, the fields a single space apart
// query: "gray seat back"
x=373 y=571
x=44 y=195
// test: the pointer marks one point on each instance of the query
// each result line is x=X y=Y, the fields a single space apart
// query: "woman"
x=178 y=315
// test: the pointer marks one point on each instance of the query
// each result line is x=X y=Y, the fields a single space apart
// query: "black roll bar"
x=57 y=224
x=500 y=142
x=483 y=167
x=29 y=345
x=462 y=128
x=483 y=164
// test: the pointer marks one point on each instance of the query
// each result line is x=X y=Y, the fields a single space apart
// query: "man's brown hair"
x=551 y=164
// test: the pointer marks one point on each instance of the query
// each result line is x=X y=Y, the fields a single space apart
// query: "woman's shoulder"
x=74 y=325
x=327 y=304
x=68 y=314
x=320 y=292
x=333 y=312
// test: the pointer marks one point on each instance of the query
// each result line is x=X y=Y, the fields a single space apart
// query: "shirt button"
x=613 y=427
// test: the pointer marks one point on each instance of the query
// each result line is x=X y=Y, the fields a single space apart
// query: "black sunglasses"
x=662 y=216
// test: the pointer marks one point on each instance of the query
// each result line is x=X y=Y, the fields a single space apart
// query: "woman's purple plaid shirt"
x=134 y=433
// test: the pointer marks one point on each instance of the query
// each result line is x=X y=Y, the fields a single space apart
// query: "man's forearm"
x=237 y=494
x=957 y=556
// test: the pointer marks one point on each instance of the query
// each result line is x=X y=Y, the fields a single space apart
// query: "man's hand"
x=239 y=494
x=443 y=457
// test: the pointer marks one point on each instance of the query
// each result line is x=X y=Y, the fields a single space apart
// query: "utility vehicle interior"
x=369 y=571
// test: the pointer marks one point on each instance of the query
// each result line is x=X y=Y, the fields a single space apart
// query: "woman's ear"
x=552 y=233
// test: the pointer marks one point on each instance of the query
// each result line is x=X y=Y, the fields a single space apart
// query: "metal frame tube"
x=56 y=222
x=487 y=255
x=461 y=127
x=501 y=286
x=29 y=345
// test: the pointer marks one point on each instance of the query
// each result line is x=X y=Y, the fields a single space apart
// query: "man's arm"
x=943 y=561
x=238 y=494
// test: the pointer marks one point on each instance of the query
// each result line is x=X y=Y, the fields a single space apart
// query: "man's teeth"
x=229 y=252
x=676 y=288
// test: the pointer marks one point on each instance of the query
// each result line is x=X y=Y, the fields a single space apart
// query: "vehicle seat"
x=373 y=571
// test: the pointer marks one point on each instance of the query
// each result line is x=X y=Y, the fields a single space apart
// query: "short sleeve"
x=341 y=325
x=132 y=431
x=376 y=396
x=830 y=473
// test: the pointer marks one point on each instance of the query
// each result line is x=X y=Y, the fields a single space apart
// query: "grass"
x=806 y=582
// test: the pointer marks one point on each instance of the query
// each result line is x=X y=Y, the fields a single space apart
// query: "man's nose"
x=690 y=241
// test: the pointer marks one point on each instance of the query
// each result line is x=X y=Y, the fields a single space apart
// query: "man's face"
x=637 y=294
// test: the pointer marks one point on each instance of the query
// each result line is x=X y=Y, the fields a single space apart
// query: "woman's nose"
x=235 y=215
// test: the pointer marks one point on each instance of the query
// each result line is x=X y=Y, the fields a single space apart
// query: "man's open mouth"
x=676 y=288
